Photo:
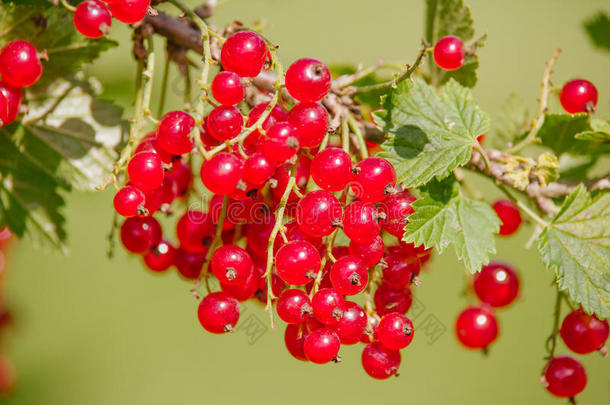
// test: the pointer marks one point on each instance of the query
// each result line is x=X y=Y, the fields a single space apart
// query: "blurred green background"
x=98 y=331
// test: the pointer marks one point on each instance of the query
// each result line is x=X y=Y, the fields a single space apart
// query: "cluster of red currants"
x=7 y=372
x=93 y=18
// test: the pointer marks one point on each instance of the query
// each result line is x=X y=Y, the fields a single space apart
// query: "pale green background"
x=94 y=331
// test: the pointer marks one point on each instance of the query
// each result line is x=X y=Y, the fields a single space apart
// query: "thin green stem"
x=551 y=342
x=164 y=83
x=522 y=206
x=68 y=5
x=345 y=135
x=353 y=124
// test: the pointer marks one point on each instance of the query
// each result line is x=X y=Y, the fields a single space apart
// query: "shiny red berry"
x=396 y=209
x=161 y=257
x=293 y=306
x=328 y=305
x=244 y=53
x=224 y=122
x=297 y=262
x=331 y=169
x=258 y=169
x=231 y=265
x=189 y=264
x=361 y=222
x=19 y=64
x=311 y=120
x=195 y=231
x=245 y=291
x=496 y=284
x=374 y=179
x=370 y=253
x=321 y=346
x=150 y=143
x=227 y=88
x=276 y=115
x=395 y=331
x=584 y=333
x=352 y=324
x=218 y=312
x=400 y=270
x=564 y=377
x=318 y=213
x=349 y=275
x=222 y=173
x=476 y=328
x=174 y=132
x=370 y=331
x=380 y=362
x=389 y=300
x=308 y=80
x=449 y=53
x=10 y=102
x=510 y=216
x=92 y=19
x=281 y=143
x=145 y=171
x=129 y=11
x=129 y=201
x=578 y=96
x=140 y=234
x=294 y=338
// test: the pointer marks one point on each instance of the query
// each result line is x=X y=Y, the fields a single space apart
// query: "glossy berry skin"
x=145 y=171
x=318 y=212
x=181 y=172
x=128 y=201
x=19 y=64
x=281 y=143
x=449 y=53
x=92 y=19
x=129 y=11
x=294 y=337
x=189 y=264
x=564 y=377
x=380 y=362
x=388 y=300
x=396 y=209
x=308 y=80
x=361 y=222
x=349 y=275
x=497 y=284
x=370 y=332
x=476 y=328
x=328 y=306
x=297 y=262
x=373 y=179
x=150 y=143
x=10 y=101
x=395 y=331
x=195 y=231
x=244 y=53
x=352 y=324
x=218 y=312
x=583 y=333
x=231 y=265
x=174 y=132
x=400 y=270
x=258 y=169
x=370 y=253
x=245 y=291
x=276 y=115
x=321 y=345
x=222 y=172
x=311 y=120
x=161 y=257
x=139 y=235
x=293 y=306
x=510 y=216
x=224 y=122
x=331 y=169
x=578 y=96
x=227 y=88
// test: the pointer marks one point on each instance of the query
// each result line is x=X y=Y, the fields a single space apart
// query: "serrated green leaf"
x=559 y=130
x=598 y=28
x=467 y=224
x=576 y=246
x=429 y=135
x=600 y=132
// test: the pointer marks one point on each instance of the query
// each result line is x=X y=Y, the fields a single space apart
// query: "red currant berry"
x=321 y=345
x=396 y=209
x=244 y=53
x=189 y=264
x=349 y=275
x=164 y=194
x=10 y=101
x=224 y=122
x=297 y=262
x=19 y=64
x=194 y=231
x=161 y=257
x=129 y=201
x=258 y=234
x=331 y=169
x=374 y=179
x=370 y=253
x=578 y=96
x=318 y=213
x=92 y=19
x=222 y=173
x=361 y=222
x=231 y=265
x=276 y=115
x=328 y=306
x=293 y=306
x=311 y=120
x=409 y=249
x=151 y=144
x=370 y=332
x=395 y=331
x=282 y=175
x=510 y=216
x=400 y=271
x=583 y=333
x=380 y=362
x=245 y=291
x=293 y=232
x=181 y=172
x=218 y=312
x=145 y=171
x=174 y=132
x=388 y=300
x=140 y=234
x=564 y=377
x=294 y=338
x=129 y=11
x=281 y=143
x=227 y=88
x=352 y=324
x=258 y=169
x=476 y=328
x=496 y=284
x=449 y=53
x=308 y=80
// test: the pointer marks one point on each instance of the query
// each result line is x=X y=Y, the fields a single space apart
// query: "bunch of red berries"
x=93 y=18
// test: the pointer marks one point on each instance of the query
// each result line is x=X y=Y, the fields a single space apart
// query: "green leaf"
x=600 y=132
x=598 y=28
x=576 y=246
x=510 y=123
x=429 y=135
x=559 y=130
x=467 y=224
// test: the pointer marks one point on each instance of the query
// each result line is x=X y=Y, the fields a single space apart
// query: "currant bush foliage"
x=598 y=28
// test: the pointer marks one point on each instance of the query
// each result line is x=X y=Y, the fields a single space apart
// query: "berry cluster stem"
x=551 y=342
